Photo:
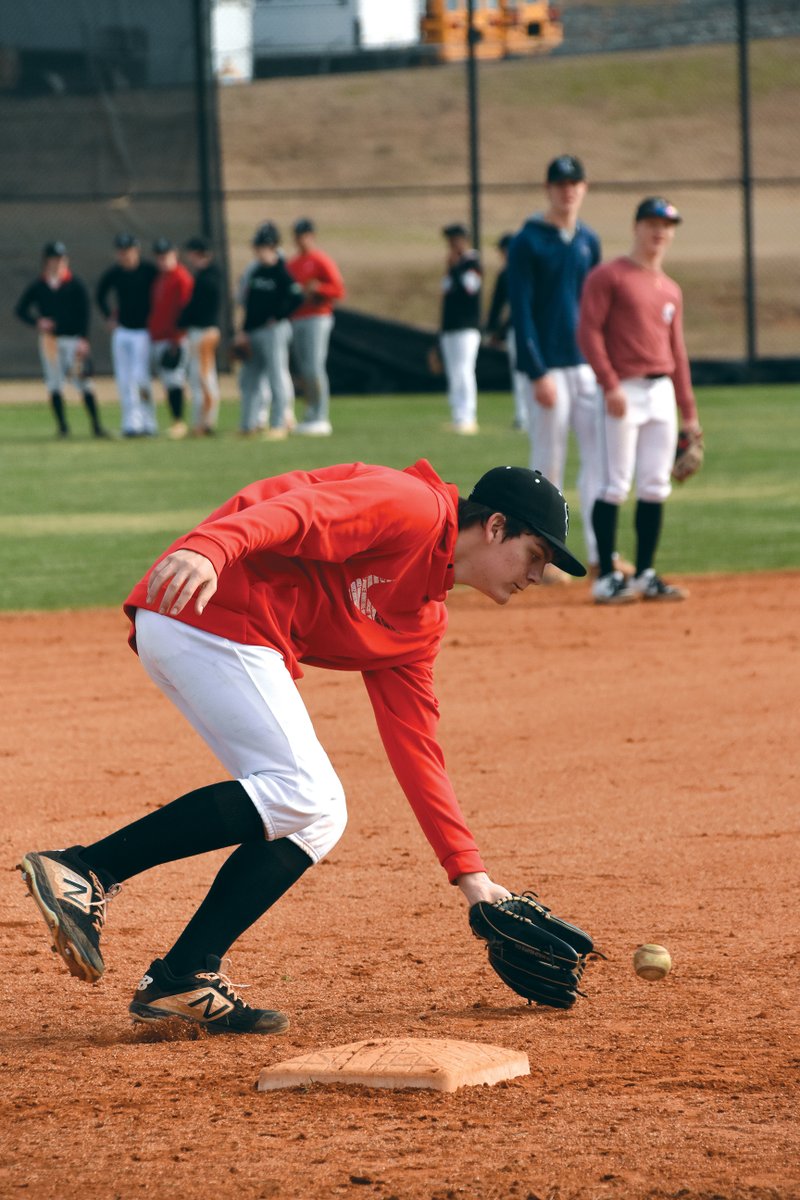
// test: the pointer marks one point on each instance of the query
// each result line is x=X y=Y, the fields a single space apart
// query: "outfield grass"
x=81 y=521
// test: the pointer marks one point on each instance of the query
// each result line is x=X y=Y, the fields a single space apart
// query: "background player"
x=548 y=261
x=346 y=567
x=171 y=292
x=130 y=282
x=312 y=324
x=269 y=295
x=200 y=318
x=460 y=335
x=57 y=305
x=501 y=333
x=631 y=331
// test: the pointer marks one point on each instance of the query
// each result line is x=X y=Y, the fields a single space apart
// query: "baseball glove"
x=171 y=356
x=240 y=348
x=689 y=454
x=433 y=361
x=536 y=954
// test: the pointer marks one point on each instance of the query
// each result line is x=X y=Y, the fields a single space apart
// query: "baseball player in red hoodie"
x=348 y=568
x=312 y=325
x=172 y=291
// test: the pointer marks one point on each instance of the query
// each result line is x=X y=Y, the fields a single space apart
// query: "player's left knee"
x=654 y=493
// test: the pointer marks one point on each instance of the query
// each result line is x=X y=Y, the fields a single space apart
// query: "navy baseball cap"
x=536 y=502
x=54 y=250
x=125 y=241
x=566 y=169
x=505 y=241
x=457 y=229
x=267 y=235
x=163 y=245
x=200 y=245
x=304 y=225
x=657 y=206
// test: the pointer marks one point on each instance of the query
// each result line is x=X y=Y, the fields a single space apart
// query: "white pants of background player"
x=460 y=354
x=520 y=384
x=61 y=362
x=310 y=339
x=642 y=443
x=578 y=406
x=130 y=354
x=203 y=380
x=244 y=704
x=268 y=364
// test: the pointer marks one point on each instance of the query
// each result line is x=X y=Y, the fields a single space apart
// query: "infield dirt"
x=636 y=767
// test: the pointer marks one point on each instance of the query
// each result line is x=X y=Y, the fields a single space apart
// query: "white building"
x=313 y=26
x=232 y=40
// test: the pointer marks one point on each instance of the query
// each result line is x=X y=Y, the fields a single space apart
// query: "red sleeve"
x=407 y=714
x=681 y=376
x=329 y=280
x=595 y=304
x=327 y=522
x=185 y=287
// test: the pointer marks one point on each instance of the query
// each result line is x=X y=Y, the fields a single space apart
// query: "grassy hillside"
x=639 y=119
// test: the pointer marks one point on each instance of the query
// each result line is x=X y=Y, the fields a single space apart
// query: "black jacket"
x=202 y=311
x=271 y=295
x=461 y=307
x=132 y=289
x=67 y=306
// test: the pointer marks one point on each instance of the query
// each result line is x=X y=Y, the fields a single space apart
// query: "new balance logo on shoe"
x=210 y=1012
x=144 y=983
x=77 y=891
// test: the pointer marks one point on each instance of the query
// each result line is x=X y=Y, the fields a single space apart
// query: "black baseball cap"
x=54 y=250
x=536 y=502
x=657 y=206
x=267 y=235
x=304 y=225
x=200 y=245
x=457 y=229
x=566 y=169
x=125 y=241
x=505 y=241
x=163 y=245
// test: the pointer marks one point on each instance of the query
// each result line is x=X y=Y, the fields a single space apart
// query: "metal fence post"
x=747 y=180
x=472 y=97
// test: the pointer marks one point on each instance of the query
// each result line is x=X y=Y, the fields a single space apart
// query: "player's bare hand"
x=616 y=404
x=45 y=325
x=82 y=347
x=181 y=575
x=544 y=391
x=478 y=886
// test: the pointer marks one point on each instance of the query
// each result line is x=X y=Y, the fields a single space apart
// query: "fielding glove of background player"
x=536 y=954
x=689 y=454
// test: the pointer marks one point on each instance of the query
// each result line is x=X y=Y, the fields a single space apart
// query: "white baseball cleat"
x=650 y=586
x=612 y=589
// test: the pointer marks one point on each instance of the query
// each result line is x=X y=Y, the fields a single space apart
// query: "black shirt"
x=461 y=308
x=499 y=319
x=132 y=288
x=202 y=311
x=67 y=306
x=271 y=295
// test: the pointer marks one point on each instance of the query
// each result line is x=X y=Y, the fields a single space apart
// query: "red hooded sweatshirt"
x=347 y=568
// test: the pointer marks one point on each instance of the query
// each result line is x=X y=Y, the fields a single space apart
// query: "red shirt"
x=631 y=324
x=172 y=291
x=330 y=285
x=348 y=567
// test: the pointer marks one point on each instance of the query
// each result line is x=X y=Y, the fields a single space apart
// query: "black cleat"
x=206 y=997
x=73 y=902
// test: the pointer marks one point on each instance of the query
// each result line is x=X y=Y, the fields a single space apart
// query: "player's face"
x=566 y=198
x=653 y=236
x=55 y=267
x=168 y=261
x=128 y=258
x=501 y=569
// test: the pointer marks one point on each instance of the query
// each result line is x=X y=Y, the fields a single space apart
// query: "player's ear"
x=495 y=527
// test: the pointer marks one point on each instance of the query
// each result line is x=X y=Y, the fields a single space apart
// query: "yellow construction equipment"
x=502 y=29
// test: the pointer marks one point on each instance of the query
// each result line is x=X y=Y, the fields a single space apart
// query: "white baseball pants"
x=460 y=353
x=310 y=340
x=268 y=362
x=579 y=406
x=642 y=443
x=244 y=704
x=130 y=353
x=61 y=362
x=203 y=380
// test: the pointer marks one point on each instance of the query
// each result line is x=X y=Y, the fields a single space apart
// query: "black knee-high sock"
x=648 y=530
x=91 y=407
x=604 y=523
x=209 y=818
x=57 y=404
x=248 y=883
x=175 y=401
